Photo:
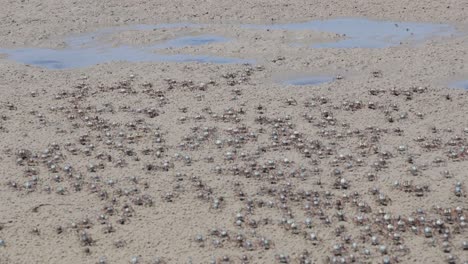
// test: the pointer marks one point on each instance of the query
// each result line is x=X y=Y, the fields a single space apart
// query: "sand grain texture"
x=158 y=160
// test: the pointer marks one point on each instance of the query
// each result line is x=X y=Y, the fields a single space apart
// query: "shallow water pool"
x=366 y=33
x=308 y=80
x=84 y=50
x=460 y=84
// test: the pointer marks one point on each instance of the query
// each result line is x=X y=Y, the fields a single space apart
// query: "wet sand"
x=170 y=162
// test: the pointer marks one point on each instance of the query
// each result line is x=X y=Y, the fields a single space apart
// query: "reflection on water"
x=460 y=84
x=365 y=33
x=309 y=80
x=84 y=50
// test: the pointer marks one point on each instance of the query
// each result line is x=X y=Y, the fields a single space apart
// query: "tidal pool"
x=366 y=33
x=84 y=50
x=460 y=84
x=308 y=80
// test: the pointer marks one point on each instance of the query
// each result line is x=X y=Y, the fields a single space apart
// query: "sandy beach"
x=233 y=132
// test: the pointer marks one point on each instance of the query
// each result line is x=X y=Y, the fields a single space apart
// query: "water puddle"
x=77 y=58
x=365 y=33
x=84 y=50
x=89 y=39
x=308 y=80
x=190 y=41
x=460 y=84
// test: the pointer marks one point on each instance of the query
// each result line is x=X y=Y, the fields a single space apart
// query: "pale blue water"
x=365 y=33
x=460 y=84
x=84 y=50
x=77 y=58
x=309 y=80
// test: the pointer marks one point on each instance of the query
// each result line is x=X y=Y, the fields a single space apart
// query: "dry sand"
x=193 y=163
